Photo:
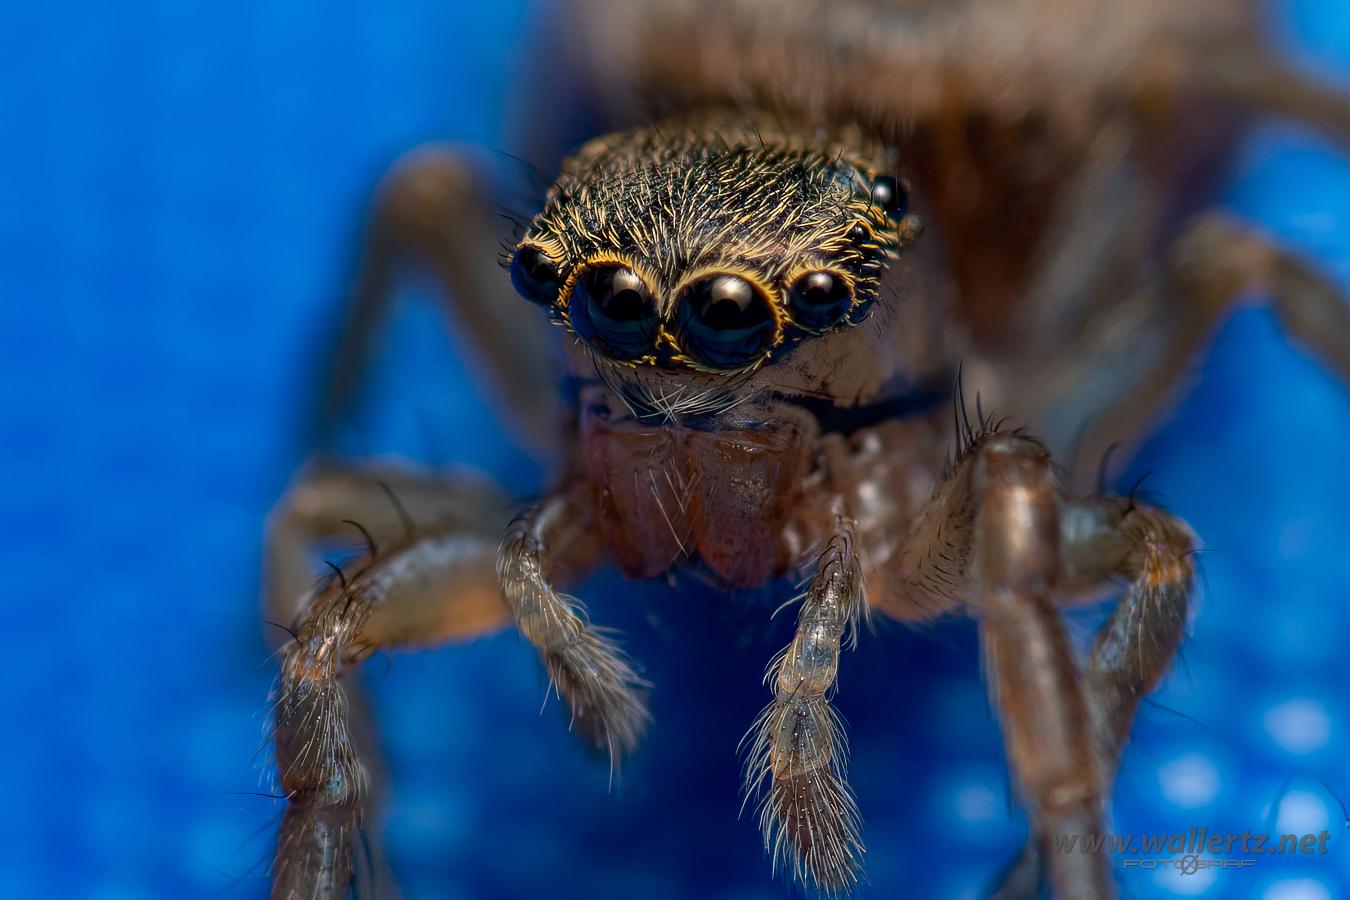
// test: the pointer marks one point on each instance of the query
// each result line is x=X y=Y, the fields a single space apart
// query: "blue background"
x=180 y=187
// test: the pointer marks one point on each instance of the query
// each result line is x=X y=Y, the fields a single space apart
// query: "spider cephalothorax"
x=712 y=248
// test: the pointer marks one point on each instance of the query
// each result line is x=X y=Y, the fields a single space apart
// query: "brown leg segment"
x=432 y=211
x=388 y=501
x=1114 y=537
x=332 y=501
x=991 y=534
x=1153 y=550
x=1267 y=85
x=1123 y=359
x=1035 y=680
x=1089 y=349
x=447 y=584
x=807 y=813
x=429 y=590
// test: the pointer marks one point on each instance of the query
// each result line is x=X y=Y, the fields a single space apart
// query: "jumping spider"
x=765 y=293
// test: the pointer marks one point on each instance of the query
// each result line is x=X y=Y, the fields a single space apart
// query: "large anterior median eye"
x=613 y=311
x=725 y=322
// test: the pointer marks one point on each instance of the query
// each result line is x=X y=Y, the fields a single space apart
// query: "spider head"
x=711 y=249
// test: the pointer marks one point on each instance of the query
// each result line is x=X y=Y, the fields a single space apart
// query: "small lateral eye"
x=891 y=196
x=535 y=276
x=612 y=310
x=725 y=322
x=819 y=300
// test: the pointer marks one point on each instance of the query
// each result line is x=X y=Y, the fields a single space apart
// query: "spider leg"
x=432 y=211
x=384 y=505
x=1115 y=536
x=431 y=574
x=808 y=813
x=993 y=529
x=426 y=589
x=1150 y=159
x=1261 y=82
x=382 y=501
x=1101 y=538
x=588 y=670
x=1125 y=359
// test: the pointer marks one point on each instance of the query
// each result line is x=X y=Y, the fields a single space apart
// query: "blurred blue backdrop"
x=180 y=186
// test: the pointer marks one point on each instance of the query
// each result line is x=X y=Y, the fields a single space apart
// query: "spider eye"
x=819 y=300
x=724 y=321
x=535 y=276
x=891 y=196
x=612 y=309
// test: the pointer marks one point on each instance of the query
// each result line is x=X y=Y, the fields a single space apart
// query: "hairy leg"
x=1113 y=537
x=383 y=504
x=429 y=589
x=587 y=669
x=991 y=534
x=450 y=582
x=432 y=211
x=807 y=811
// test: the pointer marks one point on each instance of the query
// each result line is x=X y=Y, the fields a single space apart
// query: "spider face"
x=711 y=251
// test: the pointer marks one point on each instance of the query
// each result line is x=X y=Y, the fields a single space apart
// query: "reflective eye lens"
x=612 y=310
x=724 y=322
x=819 y=300
x=890 y=196
x=534 y=276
